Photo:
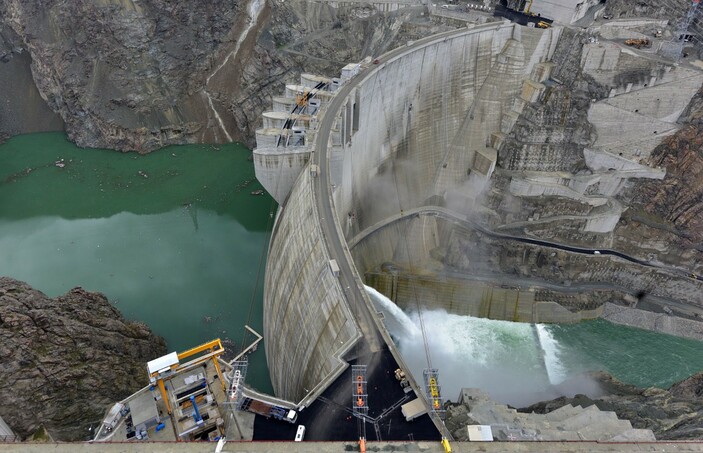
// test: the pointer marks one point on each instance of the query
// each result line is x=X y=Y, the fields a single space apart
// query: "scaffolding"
x=681 y=35
x=234 y=400
x=360 y=405
x=434 y=392
x=236 y=384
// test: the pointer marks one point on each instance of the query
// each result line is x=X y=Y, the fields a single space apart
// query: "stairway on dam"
x=568 y=423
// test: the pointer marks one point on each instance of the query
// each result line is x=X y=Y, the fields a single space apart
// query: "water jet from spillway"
x=516 y=363
x=550 y=349
x=396 y=321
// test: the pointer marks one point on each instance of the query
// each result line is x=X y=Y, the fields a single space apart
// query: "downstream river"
x=174 y=238
x=520 y=364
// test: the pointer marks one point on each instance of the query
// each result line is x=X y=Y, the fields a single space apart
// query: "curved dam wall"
x=307 y=324
x=427 y=120
x=416 y=130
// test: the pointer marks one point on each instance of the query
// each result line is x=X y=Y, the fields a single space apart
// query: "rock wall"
x=22 y=109
x=678 y=200
x=141 y=75
x=657 y=322
x=64 y=360
x=123 y=74
x=672 y=414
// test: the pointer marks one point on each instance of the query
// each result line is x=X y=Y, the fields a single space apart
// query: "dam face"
x=411 y=149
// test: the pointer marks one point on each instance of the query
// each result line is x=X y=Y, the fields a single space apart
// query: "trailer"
x=269 y=410
x=334 y=267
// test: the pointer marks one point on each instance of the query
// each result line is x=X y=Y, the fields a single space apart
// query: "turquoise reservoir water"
x=174 y=238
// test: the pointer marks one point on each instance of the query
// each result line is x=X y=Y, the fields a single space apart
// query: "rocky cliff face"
x=141 y=75
x=646 y=8
x=672 y=414
x=22 y=109
x=678 y=200
x=123 y=74
x=63 y=361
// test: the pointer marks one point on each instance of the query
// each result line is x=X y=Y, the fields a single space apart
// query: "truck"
x=281 y=413
x=269 y=410
x=334 y=267
x=114 y=416
x=300 y=433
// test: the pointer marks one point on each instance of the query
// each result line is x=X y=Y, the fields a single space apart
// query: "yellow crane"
x=529 y=5
x=166 y=366
x=445 y=444
x=302 y=97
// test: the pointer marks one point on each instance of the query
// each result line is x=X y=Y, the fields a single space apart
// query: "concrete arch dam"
x=419 y=128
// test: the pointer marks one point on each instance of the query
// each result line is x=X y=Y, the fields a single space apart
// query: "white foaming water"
x=499 y=357
x=397 y=322
x=550 y=348
x=516 y=363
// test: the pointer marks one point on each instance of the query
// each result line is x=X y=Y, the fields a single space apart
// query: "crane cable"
x=407 y=252
x=445 y=434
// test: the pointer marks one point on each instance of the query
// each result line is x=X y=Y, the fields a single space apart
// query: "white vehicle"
x=596 y=252
x=334 y=267
x=220 y=444
x=300 y=433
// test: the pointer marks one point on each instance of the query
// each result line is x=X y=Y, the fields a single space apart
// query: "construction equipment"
x=196 y=413
x=445 y=444
x=403 y=380
x=527 y=10
x=269 y=410
x=169 y=365
x=526 y=17
x=302 y=98
x=682 y=35
x=638 y=43
x=434 y=394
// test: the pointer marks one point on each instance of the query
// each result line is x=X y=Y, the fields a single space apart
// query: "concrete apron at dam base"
x=329 y=447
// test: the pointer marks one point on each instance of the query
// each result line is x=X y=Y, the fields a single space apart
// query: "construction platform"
x=146 y=410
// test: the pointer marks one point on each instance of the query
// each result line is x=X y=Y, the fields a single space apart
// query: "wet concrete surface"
x=331 y=418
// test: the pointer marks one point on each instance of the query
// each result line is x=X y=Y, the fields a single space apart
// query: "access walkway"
x=330 y=447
